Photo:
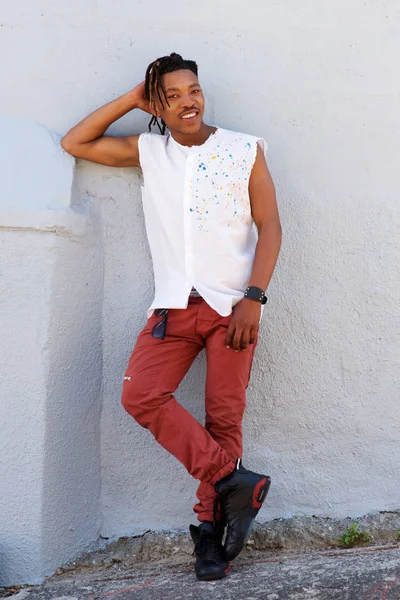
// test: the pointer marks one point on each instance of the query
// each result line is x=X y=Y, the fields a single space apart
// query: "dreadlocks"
x=154 y=92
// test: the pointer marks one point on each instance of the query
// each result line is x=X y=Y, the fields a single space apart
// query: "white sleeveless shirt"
x=198 y=217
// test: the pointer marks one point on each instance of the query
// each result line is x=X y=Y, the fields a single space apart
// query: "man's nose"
x=187 y=100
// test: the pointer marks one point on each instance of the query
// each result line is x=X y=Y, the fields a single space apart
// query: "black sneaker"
x=210 y=556
x=240 y=494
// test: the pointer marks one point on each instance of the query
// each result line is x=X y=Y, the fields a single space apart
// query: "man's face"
x=186 y=102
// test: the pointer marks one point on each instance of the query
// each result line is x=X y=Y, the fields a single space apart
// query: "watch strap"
x=255 y=293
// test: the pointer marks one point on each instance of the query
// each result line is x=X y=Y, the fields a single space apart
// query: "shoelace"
x=204 y=543
x=219 y=524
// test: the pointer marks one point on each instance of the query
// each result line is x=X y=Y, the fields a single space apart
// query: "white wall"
x=50 y=384
x=319 y=82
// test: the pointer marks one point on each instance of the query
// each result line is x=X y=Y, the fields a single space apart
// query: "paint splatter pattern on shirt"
x=219 y=185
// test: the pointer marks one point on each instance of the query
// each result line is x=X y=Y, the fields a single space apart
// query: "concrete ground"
x=367 y=573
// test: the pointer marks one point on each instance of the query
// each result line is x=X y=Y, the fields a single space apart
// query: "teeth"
x=188 y=116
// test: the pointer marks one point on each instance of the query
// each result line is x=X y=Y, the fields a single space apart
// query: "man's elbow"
x=277 y=232
x=279 y=229
x=272 y=226
x=67 y=145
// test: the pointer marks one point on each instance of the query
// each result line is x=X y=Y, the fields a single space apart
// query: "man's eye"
x=173 y=96
x=195 y=91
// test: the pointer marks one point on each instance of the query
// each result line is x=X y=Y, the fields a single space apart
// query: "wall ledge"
x=66 y=223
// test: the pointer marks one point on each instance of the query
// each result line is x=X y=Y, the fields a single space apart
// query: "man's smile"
x=190 y=115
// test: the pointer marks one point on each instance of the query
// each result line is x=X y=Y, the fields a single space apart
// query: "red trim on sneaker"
x=257 y=501
x=228 y=568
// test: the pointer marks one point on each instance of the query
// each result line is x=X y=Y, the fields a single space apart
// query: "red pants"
x=154 y=372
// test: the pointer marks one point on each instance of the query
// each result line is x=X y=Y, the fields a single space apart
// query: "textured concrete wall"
x=50 y=383
x=320 y=84
x=323 y=405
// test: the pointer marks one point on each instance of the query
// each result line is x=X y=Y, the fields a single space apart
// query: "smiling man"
x=214 y=234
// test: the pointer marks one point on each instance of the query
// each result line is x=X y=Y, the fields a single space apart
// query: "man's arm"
x=264 y=210
x=243 y=328
x=87 y=140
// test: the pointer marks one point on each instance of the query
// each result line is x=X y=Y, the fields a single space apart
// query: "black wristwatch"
x=255 y=293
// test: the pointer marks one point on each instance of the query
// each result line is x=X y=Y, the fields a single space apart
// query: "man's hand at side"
x=244 y=324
